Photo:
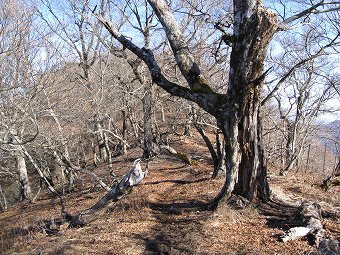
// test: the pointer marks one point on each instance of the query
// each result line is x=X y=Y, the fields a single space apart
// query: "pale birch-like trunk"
x=25 y=187
x=150 y=148
x=100 y=139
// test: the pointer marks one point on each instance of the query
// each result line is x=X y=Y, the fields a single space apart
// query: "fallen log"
x=307 y=222
x=123 y=188
x=182 y=156
x=331 y=181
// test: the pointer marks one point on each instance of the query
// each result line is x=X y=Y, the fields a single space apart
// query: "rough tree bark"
x=237 y=111
x=239 y=114
x=150 y=148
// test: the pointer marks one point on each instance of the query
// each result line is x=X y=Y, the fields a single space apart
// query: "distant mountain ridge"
x=330 y=135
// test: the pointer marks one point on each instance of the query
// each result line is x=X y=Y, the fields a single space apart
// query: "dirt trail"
x=164 y=215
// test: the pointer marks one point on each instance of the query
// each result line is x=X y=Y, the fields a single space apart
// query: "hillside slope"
x=167 y=214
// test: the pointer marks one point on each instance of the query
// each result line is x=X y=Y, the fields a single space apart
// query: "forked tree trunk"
x=239 y=117
x=237 y=111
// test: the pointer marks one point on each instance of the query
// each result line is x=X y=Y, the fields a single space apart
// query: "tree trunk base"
x=234 y=201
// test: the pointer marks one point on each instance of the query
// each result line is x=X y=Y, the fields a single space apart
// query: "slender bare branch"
x=313 y=9
x=299 y=64
x=69 y=164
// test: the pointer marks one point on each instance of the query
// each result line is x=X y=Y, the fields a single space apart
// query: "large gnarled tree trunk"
x=240 y=121
x=237 y=112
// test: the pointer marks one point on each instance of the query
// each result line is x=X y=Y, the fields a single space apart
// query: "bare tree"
x=17 y=87
x=303 y=81
x=85 y=41
x=237 y=111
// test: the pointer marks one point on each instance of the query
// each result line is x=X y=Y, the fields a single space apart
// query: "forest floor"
x=166 y=214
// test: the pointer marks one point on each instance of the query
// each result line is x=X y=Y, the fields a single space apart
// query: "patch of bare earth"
x=166 y=214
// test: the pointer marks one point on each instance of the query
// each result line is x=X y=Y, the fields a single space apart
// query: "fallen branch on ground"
x=123 y=188
x=182 y=156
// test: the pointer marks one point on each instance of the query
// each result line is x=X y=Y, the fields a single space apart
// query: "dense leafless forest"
x=105 y=103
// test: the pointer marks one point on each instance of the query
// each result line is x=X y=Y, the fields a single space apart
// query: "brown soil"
x=167 y=214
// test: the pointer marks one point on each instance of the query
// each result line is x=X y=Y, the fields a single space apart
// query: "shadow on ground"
x=277 y=213
x=178 y=224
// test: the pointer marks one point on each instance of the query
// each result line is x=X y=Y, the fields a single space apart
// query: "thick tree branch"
x=183 y=56
x=124 y=187
x=182 y=156
x=204 y=100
